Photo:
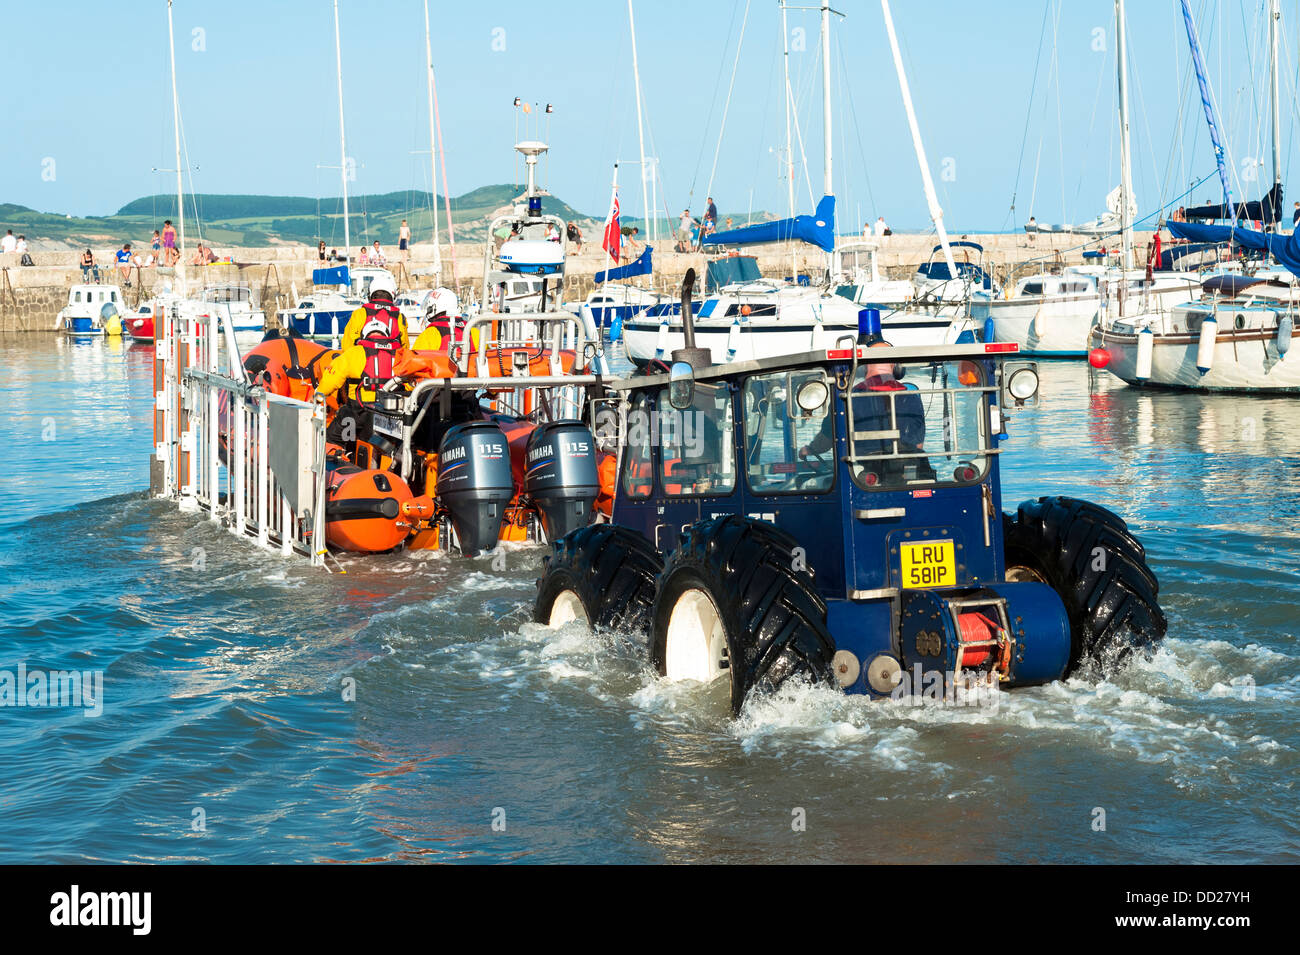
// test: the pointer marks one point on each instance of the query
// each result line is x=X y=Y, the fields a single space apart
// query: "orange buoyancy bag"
x=424 y=364
x=517 y=434
x=607 y=468
x=287 y=366
x=501 y=361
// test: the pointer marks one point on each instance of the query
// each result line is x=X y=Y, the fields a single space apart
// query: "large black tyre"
x=605 y=571
x=1090 y=558
x=732 y=598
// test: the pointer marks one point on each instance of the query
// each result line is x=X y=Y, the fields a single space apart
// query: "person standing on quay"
x=404 y=242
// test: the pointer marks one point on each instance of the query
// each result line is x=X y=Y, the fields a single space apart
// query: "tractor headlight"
x=1020 y=383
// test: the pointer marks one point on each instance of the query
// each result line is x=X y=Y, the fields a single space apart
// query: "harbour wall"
x=31 y=296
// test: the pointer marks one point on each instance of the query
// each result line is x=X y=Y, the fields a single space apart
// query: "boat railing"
x=253 y=462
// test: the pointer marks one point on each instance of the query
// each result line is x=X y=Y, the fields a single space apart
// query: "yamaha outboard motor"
x=560 y=476
x=475 y=483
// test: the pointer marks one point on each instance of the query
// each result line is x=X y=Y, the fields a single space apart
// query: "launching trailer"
x=837 y=516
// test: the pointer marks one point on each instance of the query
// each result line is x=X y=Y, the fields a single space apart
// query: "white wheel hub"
x=567 y=608
x=696 y=645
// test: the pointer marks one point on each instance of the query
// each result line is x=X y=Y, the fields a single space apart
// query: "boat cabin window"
x=777 y=430
x=1076 y=287
x=697 y=454
x=919 y=424
x=76 y=297
x=1033 y=288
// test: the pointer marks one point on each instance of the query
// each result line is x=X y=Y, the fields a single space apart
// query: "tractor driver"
x=883 y=403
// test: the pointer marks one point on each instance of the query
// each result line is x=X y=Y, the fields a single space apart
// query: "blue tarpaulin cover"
x=1284 y=248
x=642 y=265
x=335 y=276
x=817 y=229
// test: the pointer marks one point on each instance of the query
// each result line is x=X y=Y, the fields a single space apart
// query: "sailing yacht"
x=1237 y=334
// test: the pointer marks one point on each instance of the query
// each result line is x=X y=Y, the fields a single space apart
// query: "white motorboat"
x=88 y=309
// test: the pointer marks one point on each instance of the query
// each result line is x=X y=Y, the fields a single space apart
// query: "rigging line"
x=726 y=106
x=1060 y=122
x=1175 y=141
x=1056 y=26
x=717 y=82
x=1092 y=124
x=1029 y=106
x=857 y=129
x=1146 y=125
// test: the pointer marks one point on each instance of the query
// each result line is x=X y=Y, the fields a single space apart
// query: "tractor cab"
x=881 y=461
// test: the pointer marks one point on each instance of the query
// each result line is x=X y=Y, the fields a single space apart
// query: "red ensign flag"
x=610 y=242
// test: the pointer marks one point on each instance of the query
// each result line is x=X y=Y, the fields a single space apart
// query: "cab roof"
x=822 y=356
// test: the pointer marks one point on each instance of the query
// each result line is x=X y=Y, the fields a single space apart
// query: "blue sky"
x=87 y=86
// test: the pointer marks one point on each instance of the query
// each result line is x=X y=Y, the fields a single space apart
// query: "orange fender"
x=607 y=468
x=363 y=509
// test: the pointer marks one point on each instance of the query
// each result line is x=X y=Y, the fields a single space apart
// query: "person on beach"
x=710 y=217
x=377 y=255
x=88 y=267
x=320 y=253
x=881 y=228
x=1295 y=217
x=334 y=255
x=156 y=245
x=171 y=254
x=404 y=241
x=629 y=234
x=8 y=243
x=575 y=236
x=362 y=257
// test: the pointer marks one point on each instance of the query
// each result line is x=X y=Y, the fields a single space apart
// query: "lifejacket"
x=381 y=337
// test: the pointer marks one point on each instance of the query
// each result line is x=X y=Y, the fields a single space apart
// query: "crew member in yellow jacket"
x=381 y=300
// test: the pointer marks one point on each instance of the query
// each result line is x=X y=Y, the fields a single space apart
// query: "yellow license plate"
x=929 y=564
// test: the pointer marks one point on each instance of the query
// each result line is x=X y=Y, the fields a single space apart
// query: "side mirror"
x=1019 y=384
x=681 y=385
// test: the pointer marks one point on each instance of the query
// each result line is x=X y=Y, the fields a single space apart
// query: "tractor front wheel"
x=1090 y=558
x=735 y=600
x=602 y=575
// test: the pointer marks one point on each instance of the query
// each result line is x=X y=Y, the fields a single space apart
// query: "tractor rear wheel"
x=603 y=575
x=733 y=600
x=1090 y=558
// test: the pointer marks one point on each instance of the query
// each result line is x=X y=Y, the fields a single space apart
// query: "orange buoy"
x=364 y=509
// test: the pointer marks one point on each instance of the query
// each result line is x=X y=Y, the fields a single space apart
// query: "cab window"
x=638 y=474
x=919 y=424
x=697 y=454
x=788 y=450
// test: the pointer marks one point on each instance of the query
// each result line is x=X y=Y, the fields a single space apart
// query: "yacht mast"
x=931 y=198
x=1126 y=167
x=640 y=130
x=1274 y=23
x=176 y=128
x=789 y=145
x=343 y=148
x=433 y=155
x=827 y=189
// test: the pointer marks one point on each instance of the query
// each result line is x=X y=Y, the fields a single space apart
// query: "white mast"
x=433 y=155
x=640 y=128
x=826 y=95
x=1274 y=23
x=1126 y=168
x=931 y=198
x=343 y=148
x=176 y=127
x=789 y=145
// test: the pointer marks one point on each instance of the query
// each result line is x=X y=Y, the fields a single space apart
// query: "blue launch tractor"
x=837 y=515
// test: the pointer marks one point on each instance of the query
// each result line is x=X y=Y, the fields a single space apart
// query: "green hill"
x=234 y=220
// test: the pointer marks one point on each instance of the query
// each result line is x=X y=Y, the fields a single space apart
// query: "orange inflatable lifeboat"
x=364 y=509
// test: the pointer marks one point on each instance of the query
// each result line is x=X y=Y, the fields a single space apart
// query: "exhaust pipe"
x=693 y=356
